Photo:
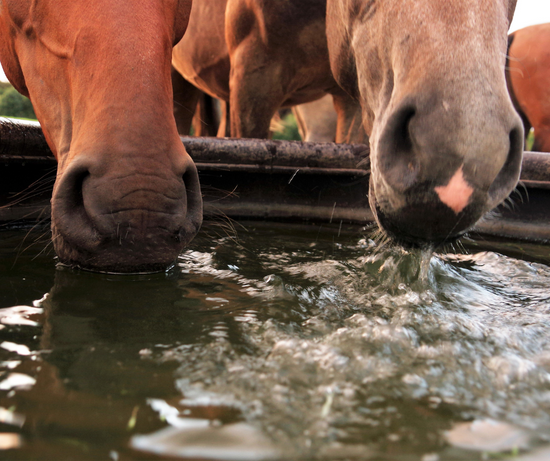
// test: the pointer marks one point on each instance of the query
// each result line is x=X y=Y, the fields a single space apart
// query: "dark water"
x=280 y=343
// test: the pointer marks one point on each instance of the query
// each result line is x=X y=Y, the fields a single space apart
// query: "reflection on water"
x=280 y=343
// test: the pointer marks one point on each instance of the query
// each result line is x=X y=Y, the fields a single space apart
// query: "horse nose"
x=436 y=169
x=125 y=220
x=441 y=151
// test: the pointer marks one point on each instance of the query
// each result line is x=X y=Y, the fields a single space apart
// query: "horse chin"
x=110 y=257
x=135 y=245
x=423 y=223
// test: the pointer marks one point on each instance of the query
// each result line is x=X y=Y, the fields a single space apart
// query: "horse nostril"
x=68 y=196
x=194 y=213
x=508 y=176
x=69 y=216
x=402 y=137
x=78 y=181
x=398 y=164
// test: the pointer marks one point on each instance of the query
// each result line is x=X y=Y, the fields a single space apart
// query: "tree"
x=13 y=104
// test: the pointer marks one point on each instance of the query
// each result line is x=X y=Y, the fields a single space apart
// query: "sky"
x=528 y=12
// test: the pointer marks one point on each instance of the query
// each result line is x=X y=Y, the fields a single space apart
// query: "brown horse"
x=528 y=77
x=127 y=196
x=260 y=56
x=446 y=142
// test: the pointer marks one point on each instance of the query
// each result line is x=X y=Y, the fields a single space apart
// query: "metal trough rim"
x=281 y=163
x=23 y=141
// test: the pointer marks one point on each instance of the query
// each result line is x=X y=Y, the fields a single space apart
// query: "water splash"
x=425 y=258
x=325 y=349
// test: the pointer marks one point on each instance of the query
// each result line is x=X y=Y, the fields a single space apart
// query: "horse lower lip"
x=421 y=224
x=113 y=263
x=121 y=248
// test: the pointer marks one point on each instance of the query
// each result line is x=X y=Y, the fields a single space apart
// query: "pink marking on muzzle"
x=456 y=193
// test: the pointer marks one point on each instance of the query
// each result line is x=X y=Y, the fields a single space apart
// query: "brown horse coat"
x=261 y=55
x=127 y=196
x=528 y=77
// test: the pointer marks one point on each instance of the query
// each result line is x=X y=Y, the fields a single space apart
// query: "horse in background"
x=528 y=78
x=317 y=120
x=259 y=57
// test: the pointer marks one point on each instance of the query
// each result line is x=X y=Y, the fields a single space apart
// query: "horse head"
x=446 y=142
x=127 y=196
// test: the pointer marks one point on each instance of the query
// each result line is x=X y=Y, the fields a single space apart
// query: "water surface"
x=277 y=342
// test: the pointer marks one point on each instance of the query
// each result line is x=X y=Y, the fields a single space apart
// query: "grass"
x=530 y=140
x=287 y=129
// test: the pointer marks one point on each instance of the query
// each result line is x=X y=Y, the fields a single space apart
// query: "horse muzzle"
x=113 y=221
x=435 y=172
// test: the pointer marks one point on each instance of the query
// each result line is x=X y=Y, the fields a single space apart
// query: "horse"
x=528 y=78
x=424 y=78
x=316 y=120
x=260 y=56
x=446 y=143
x=127 y=196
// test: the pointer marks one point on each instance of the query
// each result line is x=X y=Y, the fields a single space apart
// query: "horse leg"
x=224 y=129
x=302 y=126
x=206 y=119
x=186 y=97
x=349 y=126
x=255 y=94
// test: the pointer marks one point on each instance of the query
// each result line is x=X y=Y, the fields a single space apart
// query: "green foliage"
x=530 y=140
x=13 y=104
x=289 y=129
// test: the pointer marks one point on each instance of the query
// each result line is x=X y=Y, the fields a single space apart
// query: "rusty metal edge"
x=24 y=144
x=513 y=230
x=292 y=212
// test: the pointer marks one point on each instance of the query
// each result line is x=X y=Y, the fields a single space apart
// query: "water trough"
x=266 y=179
